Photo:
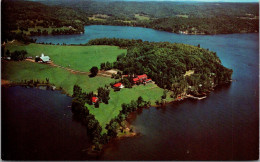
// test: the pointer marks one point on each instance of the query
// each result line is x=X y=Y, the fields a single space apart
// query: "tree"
x=111 y=128
x=140 y=100
x=108 y=66
x=18 y=55
x=103 y=94
x=7 y=54
x=76 y=106
x=102 y=66
x=76 y=91
x=164 y=94
x=126 y=82
x=97 y=104
x=94 y=71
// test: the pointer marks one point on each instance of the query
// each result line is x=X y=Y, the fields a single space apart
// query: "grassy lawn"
x=96 y=19
x=184 y=16
x=150 y=92
x=23 y=70
x=99 y=17
x=80 y=58
x=142 y=17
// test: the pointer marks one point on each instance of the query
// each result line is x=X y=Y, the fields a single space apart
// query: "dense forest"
x=26 y=18
x=167 y=63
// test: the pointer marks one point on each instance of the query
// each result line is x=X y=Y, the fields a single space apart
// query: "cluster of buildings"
x=139 y=79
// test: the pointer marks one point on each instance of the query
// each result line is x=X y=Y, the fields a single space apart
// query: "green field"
x=105 y=112
x=80 y=58
x=184 y=16
x=24 y=70
x=142 y=17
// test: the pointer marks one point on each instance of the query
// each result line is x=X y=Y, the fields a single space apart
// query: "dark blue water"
x=222 y=127
x=38 y=125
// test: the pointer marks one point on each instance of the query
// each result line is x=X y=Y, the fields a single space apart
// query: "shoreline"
x=180 y=33
x=183 y=33
x=8 y=83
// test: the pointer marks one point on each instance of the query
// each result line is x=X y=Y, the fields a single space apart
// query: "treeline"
x=214 y=25
x=65 y=32
x=82 y=114
x=16 y=55
x=166 y=63
x=35 y=83
x=54 y=32
x=9 y=36
x=122 y=43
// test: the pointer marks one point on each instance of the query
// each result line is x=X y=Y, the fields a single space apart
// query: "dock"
x=197 y=98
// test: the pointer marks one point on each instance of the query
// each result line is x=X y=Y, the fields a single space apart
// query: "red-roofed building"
x=135 y=80
x=118 y=85
x=94 y=99
x=148 y=80
x=142 y=77
x=179 y=98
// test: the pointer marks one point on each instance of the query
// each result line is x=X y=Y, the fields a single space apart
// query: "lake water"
x=225 y=126
x=39 y=125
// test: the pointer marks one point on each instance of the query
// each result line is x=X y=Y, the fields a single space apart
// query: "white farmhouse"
x=45 y=59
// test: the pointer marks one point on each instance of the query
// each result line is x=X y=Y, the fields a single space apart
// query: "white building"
x=45 y=59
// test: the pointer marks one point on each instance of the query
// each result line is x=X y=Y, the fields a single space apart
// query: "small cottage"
x=45 y=59
x=118 y=85
x=94 y=100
